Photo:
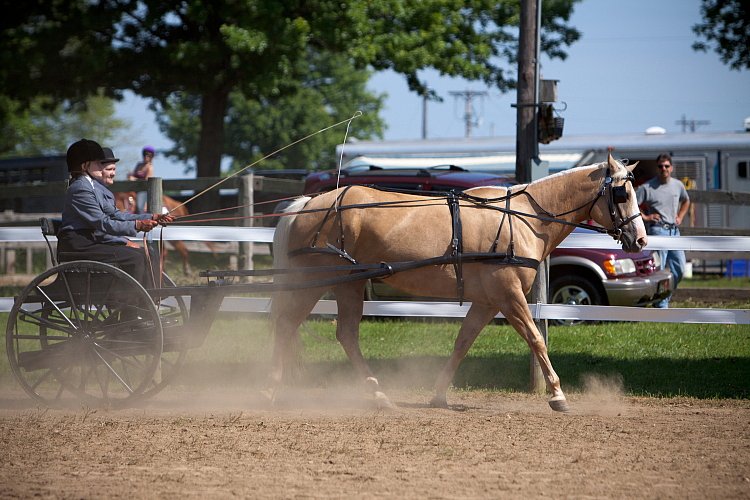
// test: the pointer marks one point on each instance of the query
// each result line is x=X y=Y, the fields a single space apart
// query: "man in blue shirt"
x=664 y=203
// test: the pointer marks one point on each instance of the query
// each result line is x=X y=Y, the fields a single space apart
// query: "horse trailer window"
x=742 y=169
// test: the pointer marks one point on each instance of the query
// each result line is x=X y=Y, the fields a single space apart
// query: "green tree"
x=329 y=93
x=45 y=128
x=257 y=47
x=726 y=29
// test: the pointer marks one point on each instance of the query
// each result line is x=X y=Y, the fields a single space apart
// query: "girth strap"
x=457 y=245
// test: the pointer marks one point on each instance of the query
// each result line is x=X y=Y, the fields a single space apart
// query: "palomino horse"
x=125 y=201
x=519 y=225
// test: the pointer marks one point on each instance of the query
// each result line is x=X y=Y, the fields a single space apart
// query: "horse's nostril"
x=642 y=241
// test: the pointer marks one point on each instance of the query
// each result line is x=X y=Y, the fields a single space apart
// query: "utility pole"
x=527 y=148
x=468 y=97
x=526 y=101
x=691 y=124
x=424 y=117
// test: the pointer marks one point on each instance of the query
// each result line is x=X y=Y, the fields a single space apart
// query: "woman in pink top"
x=142 y=171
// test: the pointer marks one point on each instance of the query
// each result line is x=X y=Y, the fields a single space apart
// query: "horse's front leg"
x=350 y=302
x=520 y=318
x=476 y=319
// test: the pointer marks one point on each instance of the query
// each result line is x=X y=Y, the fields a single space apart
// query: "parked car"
x=587 y=276
x=579 y=276
x=436 y=178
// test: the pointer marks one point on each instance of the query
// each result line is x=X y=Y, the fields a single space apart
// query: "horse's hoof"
x=382 y=401
x=559 y=403
x=439 y=402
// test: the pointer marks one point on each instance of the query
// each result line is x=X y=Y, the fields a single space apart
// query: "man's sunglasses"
x=664 y=166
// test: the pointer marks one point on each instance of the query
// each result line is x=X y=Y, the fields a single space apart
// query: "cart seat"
x=50 y=227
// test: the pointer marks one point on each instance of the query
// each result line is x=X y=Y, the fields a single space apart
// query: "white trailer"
x=704 y=161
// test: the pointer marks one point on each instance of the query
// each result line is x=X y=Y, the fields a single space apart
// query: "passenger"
x=91 y=223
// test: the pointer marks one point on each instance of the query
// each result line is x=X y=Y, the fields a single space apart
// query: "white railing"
x=723 y=244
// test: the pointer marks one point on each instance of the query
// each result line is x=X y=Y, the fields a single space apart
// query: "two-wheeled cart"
x=88 y=332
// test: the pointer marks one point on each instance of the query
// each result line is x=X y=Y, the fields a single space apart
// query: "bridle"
x=616 y=195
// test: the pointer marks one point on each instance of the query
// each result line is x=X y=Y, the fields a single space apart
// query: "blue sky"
x=633 y=68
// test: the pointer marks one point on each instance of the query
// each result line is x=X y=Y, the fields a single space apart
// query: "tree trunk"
x=211 y=146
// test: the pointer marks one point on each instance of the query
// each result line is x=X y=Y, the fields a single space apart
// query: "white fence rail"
x=722 y=244
x=265 y=235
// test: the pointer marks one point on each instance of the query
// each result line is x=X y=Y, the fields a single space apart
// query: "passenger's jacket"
x=90 y=206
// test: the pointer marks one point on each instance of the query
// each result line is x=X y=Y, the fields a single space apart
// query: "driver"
x=90 y=221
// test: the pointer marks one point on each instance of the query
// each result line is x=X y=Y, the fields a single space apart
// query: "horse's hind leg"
x=289 y=310
x=476 y=319
x=350 y=301
x=520 y=318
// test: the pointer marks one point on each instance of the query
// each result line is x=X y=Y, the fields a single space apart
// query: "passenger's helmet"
x=82 y=151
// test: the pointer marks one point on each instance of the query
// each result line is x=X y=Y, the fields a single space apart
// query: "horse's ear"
x=612 y=162
x=632 y=167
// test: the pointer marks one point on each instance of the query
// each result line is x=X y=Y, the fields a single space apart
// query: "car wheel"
x=573 y=290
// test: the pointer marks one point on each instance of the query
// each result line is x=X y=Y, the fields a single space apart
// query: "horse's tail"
x=286 y=340
x=281 y=242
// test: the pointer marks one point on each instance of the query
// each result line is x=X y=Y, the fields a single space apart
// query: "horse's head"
x=616 y=208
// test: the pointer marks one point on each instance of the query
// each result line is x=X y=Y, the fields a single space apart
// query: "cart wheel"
x=84 y=331
x=173 y=314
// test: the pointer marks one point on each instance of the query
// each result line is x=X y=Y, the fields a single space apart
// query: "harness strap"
x=335 y=208
x=511 y=244
x=457 y=244
x=366 y=271
x=327 y=250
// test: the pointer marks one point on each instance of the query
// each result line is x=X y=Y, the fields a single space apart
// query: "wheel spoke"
x=113 y=372
x=42 y=321
x=42 y=378
x=62 y=314
x=123 y=359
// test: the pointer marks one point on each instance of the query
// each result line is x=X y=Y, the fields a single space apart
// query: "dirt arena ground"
x=320 y=443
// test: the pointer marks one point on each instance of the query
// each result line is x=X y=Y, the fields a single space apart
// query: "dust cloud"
x=601 y=395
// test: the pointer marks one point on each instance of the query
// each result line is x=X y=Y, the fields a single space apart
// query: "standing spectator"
x=142 y=171
x=664 y=202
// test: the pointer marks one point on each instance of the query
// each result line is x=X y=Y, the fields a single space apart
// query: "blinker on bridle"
x=617 y=196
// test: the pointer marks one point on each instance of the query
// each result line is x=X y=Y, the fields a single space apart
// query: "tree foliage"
x=259 y=49
x=45 y=128
x=725 y=29
x=329 y=93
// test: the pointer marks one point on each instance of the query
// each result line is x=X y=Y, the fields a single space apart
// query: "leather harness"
x=456 y=256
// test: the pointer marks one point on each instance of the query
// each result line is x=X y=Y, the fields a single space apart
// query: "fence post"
x=155 y=202
x=247 y=198
x=155 y=195
x=10 y=261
